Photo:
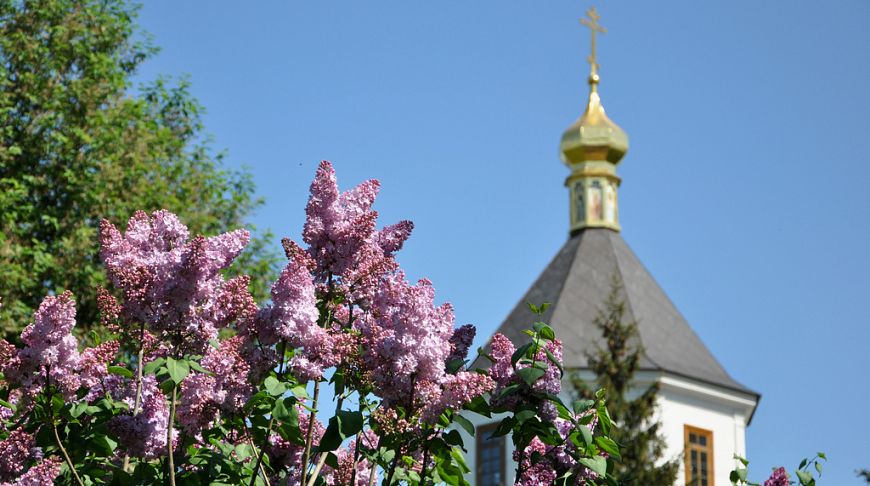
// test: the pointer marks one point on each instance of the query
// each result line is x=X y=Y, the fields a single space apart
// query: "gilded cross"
x=592 y=22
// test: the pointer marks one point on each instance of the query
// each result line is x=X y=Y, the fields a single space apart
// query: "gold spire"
x=591 y=147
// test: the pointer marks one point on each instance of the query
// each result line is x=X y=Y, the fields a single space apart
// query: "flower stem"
x=169 y=434
x=310 y=433
x=259 y=470
x=425 y=462
x=283 y=346
x=137 y=404
x=69 y=462
x=322 y=460
x=389 y=479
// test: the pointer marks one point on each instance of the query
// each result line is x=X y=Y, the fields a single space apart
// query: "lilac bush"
x=193 y=382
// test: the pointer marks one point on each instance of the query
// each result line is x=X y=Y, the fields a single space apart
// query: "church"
x=702 y=410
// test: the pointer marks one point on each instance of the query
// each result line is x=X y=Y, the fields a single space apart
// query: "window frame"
x=482 y=433
x=687 y=429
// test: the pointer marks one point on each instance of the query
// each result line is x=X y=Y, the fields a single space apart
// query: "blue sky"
x=745 y=191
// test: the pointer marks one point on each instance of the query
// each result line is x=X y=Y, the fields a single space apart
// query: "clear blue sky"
x=745 y=191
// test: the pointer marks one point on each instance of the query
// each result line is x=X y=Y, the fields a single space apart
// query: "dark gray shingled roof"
x=576 y=283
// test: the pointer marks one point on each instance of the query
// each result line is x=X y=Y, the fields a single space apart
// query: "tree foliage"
x=614 y=367
x=79 y=143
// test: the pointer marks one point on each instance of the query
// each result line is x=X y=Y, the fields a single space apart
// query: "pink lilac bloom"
x=93 y=366
x=778 y=478
x=457 y=390
x=226 y=389
x=406 y=341
x=287 y=456
x=170 y=283
x=340 y=230
x=143 y=435
x=554 y=461
x=15 y=452
x=50 y=346
x=345 y=472
x=292 y=318
x=43 y=473
x=406 y=344
x=502 y=371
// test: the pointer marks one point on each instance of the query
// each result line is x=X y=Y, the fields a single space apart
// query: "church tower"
x=703 y=411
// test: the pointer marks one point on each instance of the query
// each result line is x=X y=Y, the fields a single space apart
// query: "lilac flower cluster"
x=778 y=478
x=51 y=351
x=341 y=232
x=503 y=371
x=51 y=355
x=542 y=463
x=407 y=345
x=293 y=318
x=170 y=282
x=16 y=452
x=225 y=389
x=142 y=435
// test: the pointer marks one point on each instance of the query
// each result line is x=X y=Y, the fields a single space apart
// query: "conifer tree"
x=614 y=366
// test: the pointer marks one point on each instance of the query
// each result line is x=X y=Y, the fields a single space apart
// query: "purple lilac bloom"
x=170 y=283
x=460 y=341
x=145 y=434
x=504 y=374
x=51 y=350
x=778 y=478
x=43 y=473
x=225 y=389
x=406 y=343
x=292 y=318
x=340 y=230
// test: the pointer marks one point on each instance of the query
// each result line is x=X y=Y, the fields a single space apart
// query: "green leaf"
x=805 y=478
x=178 y=369
x=545 y=331
x=738 y=474
x=153 y=366
x=453 y=438
x=464 y=423
x=608 y=445
x=120 y=371
x=274 y=387
x=524 y=415
x=530 y=375
x=345 y=424
x=586 y=434
x=299 y=391
x=596 y=464
x=581 y=406
x=604 y=419
x=195 y=366
x=554 y=360
x=520 y=352
x=104 y=445
x=479 y=406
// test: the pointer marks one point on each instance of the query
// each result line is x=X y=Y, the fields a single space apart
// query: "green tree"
x=79 y=142
x=614 y=367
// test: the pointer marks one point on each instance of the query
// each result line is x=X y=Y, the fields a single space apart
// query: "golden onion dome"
x=593 y=136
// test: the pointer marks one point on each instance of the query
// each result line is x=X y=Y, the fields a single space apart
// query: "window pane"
x=702 y=440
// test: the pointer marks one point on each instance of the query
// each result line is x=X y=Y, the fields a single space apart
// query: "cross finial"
x=594 y=27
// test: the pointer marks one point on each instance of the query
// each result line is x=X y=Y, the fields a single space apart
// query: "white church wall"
x=681 y=402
